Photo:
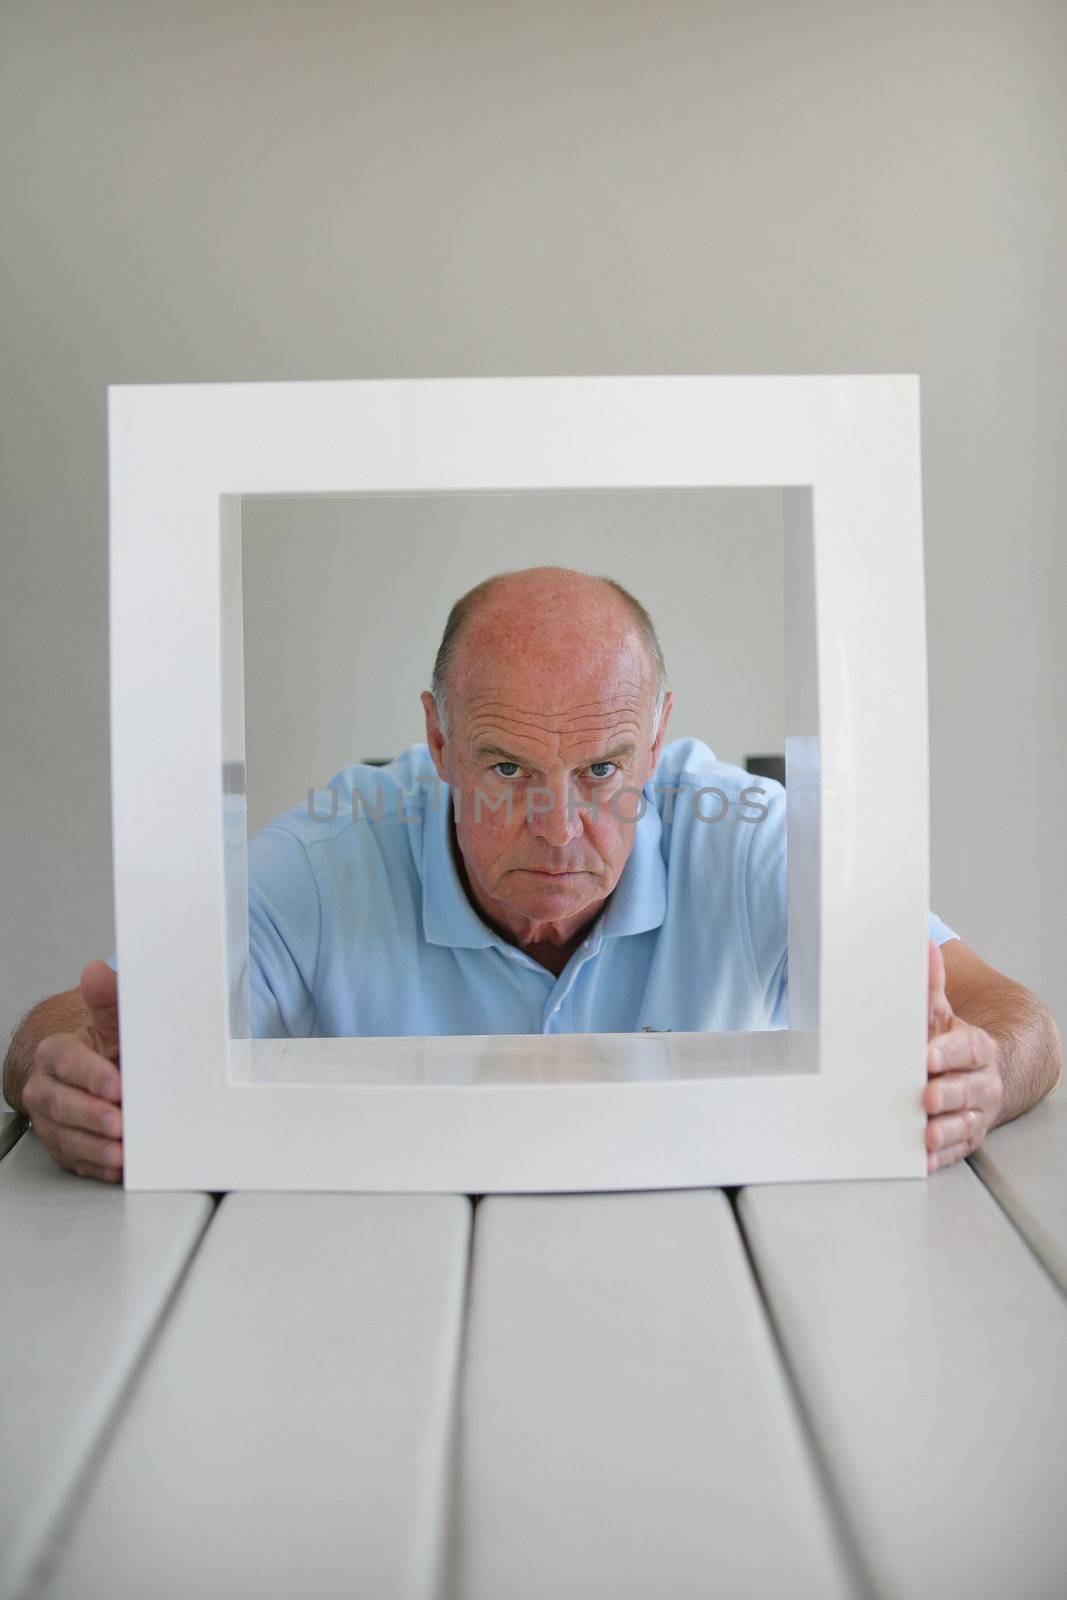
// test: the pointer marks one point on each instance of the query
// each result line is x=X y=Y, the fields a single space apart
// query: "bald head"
x=547 y=621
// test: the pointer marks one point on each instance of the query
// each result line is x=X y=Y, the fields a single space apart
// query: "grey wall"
x=279 y=190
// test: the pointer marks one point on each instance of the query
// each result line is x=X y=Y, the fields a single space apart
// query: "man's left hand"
x=965 y=1088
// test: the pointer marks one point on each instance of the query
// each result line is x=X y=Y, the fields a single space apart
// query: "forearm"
x=60 y=1013
x=1031 y=1051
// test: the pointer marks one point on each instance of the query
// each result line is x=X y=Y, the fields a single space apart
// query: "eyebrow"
x=625 y=749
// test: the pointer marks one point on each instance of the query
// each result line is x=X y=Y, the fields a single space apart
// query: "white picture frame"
x=837 y=1095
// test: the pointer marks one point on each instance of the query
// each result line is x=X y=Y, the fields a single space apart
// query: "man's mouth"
x=548 y=872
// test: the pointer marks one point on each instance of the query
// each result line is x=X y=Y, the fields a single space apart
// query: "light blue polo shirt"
x=359 y=923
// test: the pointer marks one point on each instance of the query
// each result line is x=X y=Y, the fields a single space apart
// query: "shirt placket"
x=563 y=985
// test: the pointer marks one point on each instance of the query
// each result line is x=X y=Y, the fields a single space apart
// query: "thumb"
x=100 y=991
x=940 y=1012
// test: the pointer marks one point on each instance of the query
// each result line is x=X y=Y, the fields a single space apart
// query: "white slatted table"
x=292 y=1434
x=88 y=1273
x=930 y=1349
x=627 y=1429
x=1025 y=1165
x=842 y=1390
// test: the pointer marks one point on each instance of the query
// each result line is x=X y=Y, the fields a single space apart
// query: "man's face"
x=550 y=743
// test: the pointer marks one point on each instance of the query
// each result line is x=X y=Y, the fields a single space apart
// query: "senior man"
x=544 y=863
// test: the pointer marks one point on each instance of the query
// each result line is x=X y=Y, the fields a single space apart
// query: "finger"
x=964 y=1047
x=962 y=1127
x=101 y=1174
x=46 y=1097
x=970 y=1093
x=946 y=1157
x=957 y=1091
x=71 y=1060
x=981 y=1090
x=100 y=991
x=75 y=1148
x=939 y=1011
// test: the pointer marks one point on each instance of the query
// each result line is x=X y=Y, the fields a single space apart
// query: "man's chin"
x=573 y=889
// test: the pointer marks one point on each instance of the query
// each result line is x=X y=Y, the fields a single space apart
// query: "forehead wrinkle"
x=523 y=697
x=575 y=708
x=548 y=721
x=519 y=726
x=622 y=698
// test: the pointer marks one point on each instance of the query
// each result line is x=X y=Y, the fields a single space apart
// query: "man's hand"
x=965 y=1086
x=73 y=1092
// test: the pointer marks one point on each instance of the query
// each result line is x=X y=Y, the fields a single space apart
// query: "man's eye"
x=500 y=765
x=595 y=769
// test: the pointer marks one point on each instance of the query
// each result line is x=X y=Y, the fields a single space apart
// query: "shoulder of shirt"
x=692 y=762
x=754 y=821
x=404 y=784
x=748 y=831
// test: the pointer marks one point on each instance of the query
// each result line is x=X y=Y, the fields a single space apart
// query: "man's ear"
x=664 y=718
x=434 y=737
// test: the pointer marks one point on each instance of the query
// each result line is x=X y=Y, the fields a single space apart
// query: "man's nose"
x=551 y=818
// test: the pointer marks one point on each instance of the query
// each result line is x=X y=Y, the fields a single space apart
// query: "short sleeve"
x=283 y=936
x=938 y=930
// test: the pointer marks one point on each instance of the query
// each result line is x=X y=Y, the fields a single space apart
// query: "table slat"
x=627 y=1429
x=1024 y=1163
x=931 y=1351
x=290 y=1434
x=12 y=1127
x=88 y=1271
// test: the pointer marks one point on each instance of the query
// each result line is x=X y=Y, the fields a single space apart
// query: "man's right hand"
x=73 y=1092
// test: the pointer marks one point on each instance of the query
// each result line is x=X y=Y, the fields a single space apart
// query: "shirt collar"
x=638 y=903
x=447 y=915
